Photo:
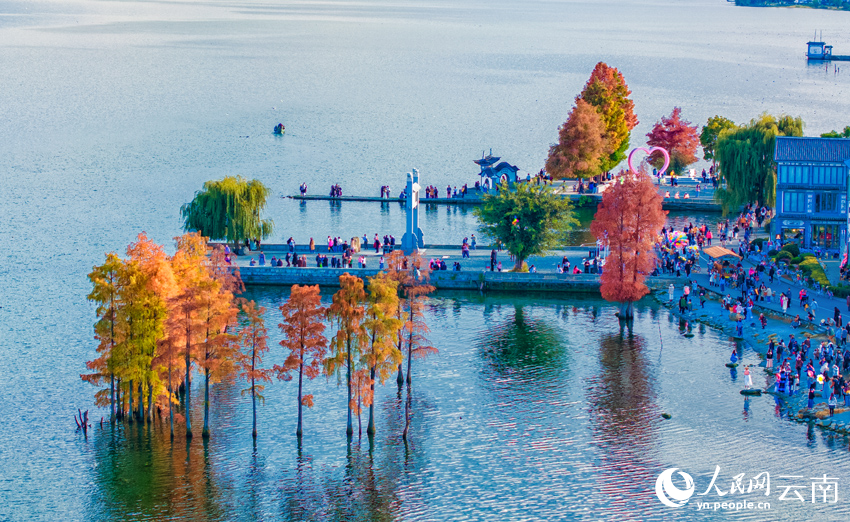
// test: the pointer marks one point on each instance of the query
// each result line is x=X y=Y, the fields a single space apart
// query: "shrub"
x=841 y=290
x=793 y=248
x=772 y=252
x=523 y=270
x=812 y=268
x=796 y=260
x=757 y=241
x=782 y=255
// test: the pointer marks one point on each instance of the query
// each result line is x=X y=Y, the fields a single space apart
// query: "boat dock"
x=820 y=52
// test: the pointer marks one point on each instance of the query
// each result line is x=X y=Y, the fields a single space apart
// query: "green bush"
x=811 y=268
x=772 y=252
x=796 y=260
x=759 y=241
x=782 y=255
x=841 y=290
x=793 y=248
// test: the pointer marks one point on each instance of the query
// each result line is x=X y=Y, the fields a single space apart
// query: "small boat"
x=731 y=365
x=279 y=128
x=688 y=335
x=751 y=392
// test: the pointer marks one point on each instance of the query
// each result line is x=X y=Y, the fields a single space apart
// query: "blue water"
x=113 y=113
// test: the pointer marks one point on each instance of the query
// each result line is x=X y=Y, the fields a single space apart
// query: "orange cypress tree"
x=183 y=317
x=253 y=337
x=303 y=332
x=628 y=221
x=582 y=143
x=382 y=329
x=158 y=286
x=347 y=345
x=607 y=91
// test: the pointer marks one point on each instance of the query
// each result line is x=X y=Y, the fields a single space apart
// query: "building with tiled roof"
x=811 y=192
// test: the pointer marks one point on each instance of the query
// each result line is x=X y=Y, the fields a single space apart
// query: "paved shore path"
x=479 y=259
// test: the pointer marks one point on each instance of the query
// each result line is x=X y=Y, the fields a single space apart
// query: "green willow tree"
x=746 y=161
x=710 y=132
x=229 y=210
x=529 y=220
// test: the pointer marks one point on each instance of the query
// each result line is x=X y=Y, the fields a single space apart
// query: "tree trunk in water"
x=299 y=430
x=350 y=429
x=406 y=415
x=400 y=378
x=150 y=404
x=187 y=387
x=371 y=428
x=111 y=398
x=140 y=414
x=119 y=401
x=409 y=357
x=206 y=432
x=170 y=405
x=626 y=310
x=130 y=404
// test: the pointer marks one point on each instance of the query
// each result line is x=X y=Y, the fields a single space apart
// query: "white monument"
x=412 y=240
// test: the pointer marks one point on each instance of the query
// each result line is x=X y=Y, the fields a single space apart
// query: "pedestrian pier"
x=701 y=204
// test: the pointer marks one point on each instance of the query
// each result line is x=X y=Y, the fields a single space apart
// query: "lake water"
x=113 y=113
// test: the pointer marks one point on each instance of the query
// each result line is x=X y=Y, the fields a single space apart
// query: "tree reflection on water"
x=624 y=421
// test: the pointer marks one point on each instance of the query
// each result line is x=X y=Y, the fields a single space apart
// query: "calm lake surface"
x=113 y=113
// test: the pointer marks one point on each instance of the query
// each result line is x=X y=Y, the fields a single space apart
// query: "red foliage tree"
x=628 y=221
x=678 y=137
x=303 y=332
x=581 y=144
x=253 y=337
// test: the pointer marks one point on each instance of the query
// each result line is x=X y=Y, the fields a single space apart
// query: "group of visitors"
x=336 y=191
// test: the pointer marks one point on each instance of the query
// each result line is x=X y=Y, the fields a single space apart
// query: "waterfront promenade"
x=475 y=273
x=702 y=200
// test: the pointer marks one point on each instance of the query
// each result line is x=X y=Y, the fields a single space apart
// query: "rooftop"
x=833 y=150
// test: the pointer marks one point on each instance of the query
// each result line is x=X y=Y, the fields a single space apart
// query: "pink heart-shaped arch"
x=649 y=151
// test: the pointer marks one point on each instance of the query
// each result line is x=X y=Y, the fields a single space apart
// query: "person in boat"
x=734 y=358
x=748 y=378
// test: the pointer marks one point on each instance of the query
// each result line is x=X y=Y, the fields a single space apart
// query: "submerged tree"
x=677 y=137
x=382 y=330
x=528 y=219
x=106 y=281
x=253 y=338
x=581 y=146
x=607 y=92
x=185 y=306
x=303 y=335
x=415 y=340
x=746 y=161
x=628 y=221
x=347 y=345
x=229 y=209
